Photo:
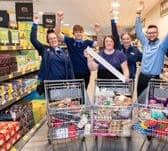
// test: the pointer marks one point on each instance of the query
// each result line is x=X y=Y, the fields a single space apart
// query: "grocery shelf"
x=17 y=74
x=17 y=99
x=19 y=145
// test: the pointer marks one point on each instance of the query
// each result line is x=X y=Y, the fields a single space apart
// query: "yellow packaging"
x=39 y=110
x=2 y=89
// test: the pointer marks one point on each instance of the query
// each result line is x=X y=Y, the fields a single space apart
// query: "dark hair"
x=152 y=26
x=109 y=36
x=77 y=28
x=125 y=34
x=49 y=31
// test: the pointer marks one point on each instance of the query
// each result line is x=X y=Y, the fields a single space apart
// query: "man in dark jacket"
x=55 y=64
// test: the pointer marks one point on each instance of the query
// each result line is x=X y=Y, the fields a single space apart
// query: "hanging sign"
x=24 y=11
x=4 y=18
x=49 y=20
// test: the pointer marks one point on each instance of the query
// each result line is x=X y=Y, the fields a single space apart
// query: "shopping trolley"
x=112 y=108
x=153 y=115
x=68 y=117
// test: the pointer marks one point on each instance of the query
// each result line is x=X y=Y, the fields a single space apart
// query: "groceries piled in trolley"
x=68 y=117
x=153 y=116
x=112 y=113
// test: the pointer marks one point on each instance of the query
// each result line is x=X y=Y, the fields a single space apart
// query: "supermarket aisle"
x=39 y=143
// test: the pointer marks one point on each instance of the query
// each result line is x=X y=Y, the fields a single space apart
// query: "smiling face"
x=109 y=43
x=52 y=40
x=78 y=35
x=78 y=32
x=152 y=32
x=126 y=40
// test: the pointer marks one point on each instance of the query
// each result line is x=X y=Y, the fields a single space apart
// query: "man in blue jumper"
x=133 y=54
x=154 y=52
x=76 y=47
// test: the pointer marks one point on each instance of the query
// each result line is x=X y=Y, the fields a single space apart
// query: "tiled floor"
x=39 y=142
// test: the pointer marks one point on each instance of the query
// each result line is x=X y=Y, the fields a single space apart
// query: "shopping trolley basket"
x=153 y=115
x=68 y=117
x=112 y=111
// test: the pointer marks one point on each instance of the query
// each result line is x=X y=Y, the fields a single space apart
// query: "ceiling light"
x=66 y=24
x=115 y=4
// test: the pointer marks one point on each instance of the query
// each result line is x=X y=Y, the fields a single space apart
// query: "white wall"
x=153 y=17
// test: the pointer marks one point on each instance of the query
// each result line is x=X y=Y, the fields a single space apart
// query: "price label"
x=25 y=138
x=23 y=72
x=10 y=76
x=13 y=149
x=37 y=125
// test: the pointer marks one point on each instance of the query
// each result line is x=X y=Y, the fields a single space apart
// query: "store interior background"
x=89 y=12
x=86 y=13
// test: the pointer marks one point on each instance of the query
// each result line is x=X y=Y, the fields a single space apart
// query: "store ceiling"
x=88 y=12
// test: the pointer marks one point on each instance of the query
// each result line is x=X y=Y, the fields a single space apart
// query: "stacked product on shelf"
x=24 y=34
x=22 y=113
x=39 y=109
x=4 y=36
x=28 y=60
x=25 y=114
x=9 y=134
x=14 y=90
x=8 y=64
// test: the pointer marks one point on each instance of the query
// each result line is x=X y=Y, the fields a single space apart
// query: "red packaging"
x=3 y=148
x=6 y=133
x=72 y=131
x=2 y=139
x=8 y=145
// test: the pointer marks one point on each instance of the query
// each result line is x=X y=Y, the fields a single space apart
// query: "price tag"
x=10 y=76
x=13 y=149
x=37 y=125
x=25 y=138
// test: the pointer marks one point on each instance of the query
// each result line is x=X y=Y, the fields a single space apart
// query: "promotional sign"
x=4 y=18
x=24 y=11
x=107 y=65
x=49 y=20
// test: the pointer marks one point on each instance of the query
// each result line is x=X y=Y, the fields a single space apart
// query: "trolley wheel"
x=129 y=138
x=149 y=138
x=83 y=139
x=49 y=141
